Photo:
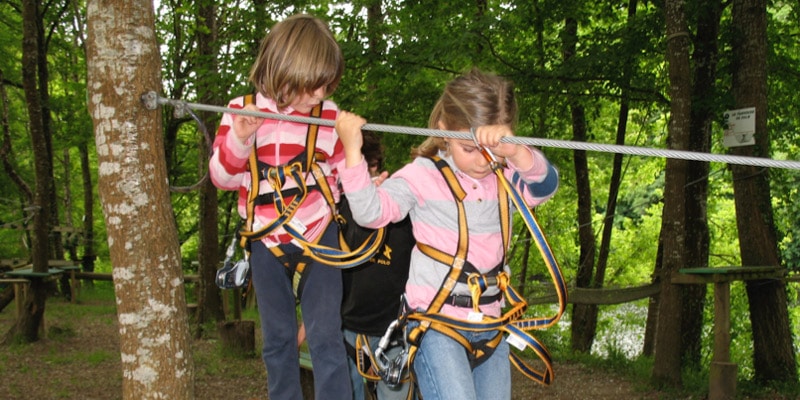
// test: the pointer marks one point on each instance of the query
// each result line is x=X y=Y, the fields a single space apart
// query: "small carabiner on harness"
x=233 y=275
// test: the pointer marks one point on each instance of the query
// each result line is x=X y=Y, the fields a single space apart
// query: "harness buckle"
x=462 y=301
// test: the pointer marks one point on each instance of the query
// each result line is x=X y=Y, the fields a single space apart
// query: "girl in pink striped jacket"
x=298 y=66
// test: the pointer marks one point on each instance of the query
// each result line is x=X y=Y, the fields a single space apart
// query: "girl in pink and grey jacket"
x=485 y=102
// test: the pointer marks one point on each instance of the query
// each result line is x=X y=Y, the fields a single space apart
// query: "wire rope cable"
x=151 y=100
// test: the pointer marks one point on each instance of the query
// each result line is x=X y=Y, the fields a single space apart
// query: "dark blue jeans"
x=320 y=304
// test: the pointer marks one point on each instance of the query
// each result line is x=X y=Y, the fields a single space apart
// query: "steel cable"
x=151 y=100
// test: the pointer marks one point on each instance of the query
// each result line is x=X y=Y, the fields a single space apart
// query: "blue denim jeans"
x=320 y=304
x=443 y=369
x=384 y=391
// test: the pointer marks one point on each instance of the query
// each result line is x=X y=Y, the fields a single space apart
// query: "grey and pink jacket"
x=419 y=190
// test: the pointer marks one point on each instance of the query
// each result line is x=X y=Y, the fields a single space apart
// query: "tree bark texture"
x=773 y=353
x=123 y=63
x=667 y=367
x=704 y=62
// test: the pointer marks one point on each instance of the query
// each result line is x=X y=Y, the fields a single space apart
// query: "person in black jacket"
x=372 y=291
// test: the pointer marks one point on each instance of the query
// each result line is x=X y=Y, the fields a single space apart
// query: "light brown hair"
x=473 y=99
x=298 y=56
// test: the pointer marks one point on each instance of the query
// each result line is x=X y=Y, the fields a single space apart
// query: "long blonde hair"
x=473 y=99
x=298 y=56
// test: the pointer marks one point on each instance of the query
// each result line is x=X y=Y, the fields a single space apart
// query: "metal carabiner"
x=493 y=163
x=391 y=370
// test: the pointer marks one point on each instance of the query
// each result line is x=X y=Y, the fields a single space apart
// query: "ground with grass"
x=79 y=359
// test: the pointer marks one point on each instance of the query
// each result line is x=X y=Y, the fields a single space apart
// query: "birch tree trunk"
x=123 y=63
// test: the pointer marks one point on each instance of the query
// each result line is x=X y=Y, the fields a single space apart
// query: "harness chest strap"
x=276 y=176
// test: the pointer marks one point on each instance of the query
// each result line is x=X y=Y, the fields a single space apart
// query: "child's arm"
x=348 y=127
x=231 y=148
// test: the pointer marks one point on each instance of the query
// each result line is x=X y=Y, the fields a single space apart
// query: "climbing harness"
x=151 y=100
x=287 y=201
x=376 y=365
x=512 y=322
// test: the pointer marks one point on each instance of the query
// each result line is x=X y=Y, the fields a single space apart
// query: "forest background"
x=649 y=74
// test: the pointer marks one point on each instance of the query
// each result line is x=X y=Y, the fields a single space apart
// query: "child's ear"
x=441 y=126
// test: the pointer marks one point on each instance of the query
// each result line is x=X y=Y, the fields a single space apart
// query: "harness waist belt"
x=465 y=301
x=269 y=198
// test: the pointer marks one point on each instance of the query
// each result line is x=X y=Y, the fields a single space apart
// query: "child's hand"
x=378 y=180
x=348 y=127
x=244 y=125
x=489 y=137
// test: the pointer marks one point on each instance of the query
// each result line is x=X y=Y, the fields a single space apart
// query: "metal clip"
x=493 y=163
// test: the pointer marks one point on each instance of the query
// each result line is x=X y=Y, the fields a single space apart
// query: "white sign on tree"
x=739 y=127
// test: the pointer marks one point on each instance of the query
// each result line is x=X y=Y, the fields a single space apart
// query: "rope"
x=151 y=100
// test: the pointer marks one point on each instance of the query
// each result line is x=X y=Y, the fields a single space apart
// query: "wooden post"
x=20 y=287
x=722 y=322
x=722 y=381
x=722 y=373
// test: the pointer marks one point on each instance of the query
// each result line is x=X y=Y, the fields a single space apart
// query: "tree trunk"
x=667 y=368
x=651 y=325
x=87 y=261
x=584 y=316
x=123 y=63
x=616 y=178
x=27 y=326
x=209 y=304
x=773 y=353
x=43 y=76
x=6 y=150
x=704 y=60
